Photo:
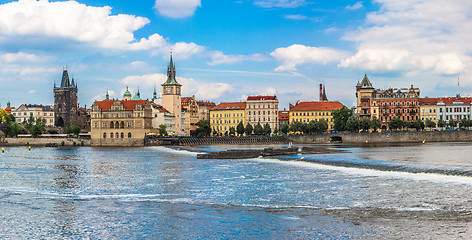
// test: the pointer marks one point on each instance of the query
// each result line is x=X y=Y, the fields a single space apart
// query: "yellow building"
x=120 y=122
x=226 y=115
x=190 y=108
x=306 y=111
x=428 y=109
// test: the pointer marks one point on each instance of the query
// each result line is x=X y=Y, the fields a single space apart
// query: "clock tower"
x=171 y=97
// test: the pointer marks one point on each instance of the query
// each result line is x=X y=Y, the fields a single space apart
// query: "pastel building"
x=23 y=113
x=305 y=112
x=226 y=115
x=263 y=110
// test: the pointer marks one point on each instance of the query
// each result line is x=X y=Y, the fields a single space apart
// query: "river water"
x=370 y=192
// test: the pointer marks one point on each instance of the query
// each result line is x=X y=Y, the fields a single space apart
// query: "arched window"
x=117 y=135
x=122 y=124
x=122 y=135
x=129 y=135
x=117 y=125
x=104 y=135
x=111 y=125
x=111 y=135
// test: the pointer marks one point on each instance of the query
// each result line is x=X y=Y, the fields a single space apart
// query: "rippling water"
x=371 y=192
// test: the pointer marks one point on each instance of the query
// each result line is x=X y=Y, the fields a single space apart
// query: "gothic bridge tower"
x=171 y=97
x=65 y=102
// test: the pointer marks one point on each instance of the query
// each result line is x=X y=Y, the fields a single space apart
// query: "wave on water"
x=381 y=170
x=175 y=150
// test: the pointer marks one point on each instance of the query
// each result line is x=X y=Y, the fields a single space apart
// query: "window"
x=129 y=135
x=168 y=90
x=122 y=135
x=104 y=135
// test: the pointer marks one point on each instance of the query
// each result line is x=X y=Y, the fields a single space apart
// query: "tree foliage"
x=258 y=130
x=341 y=117
x=248 y=129
x=375 y=124
x=162 y=130
x=442 y=123
x=352 y=124
x=203 y=128
x=396 y=123
x=232 y=131
x=267 y=129
x=240 y=128
x=284 y=129
x=365 y=124
x=429 y=124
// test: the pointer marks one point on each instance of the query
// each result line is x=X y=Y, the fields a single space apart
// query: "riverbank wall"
x=217 y=141
x=391 y=137
x=45 y=142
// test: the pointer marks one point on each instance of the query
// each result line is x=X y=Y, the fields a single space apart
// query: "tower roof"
x=65 y=83
x=127 y=93
x=366 y=84
x=171 y=74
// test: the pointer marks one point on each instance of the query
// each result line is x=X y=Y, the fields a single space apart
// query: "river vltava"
x=419 y=191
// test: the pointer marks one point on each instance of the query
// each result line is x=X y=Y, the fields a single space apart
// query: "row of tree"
x=33 y=126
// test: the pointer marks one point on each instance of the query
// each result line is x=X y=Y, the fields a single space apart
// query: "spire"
x=154 y=94
x=73 y=82
x=324 y=94
x=108 y=95
x=65 y=79
x=458 y=88
x=139 y=94
x=171 y=73
x=8 y=104
x=366 y=84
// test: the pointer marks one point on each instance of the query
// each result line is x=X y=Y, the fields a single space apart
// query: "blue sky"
x=227 y=50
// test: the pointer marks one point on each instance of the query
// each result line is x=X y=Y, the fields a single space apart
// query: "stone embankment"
x=391 y=137
x=266 y=152
x=218 y=140
x=45 y=142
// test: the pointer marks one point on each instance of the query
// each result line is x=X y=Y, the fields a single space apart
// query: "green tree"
x=284 y=129
x=365 y=124
x=418 y=125
x=429 y=124
x=352 y=124
x=297 y=127
x=267 y=129
x=340 y=118
x=313 y=127
x=395 y=123
x=38 y=127
x=30 y=123
x=276 y=132
x=375 y=124
x=240 y=128
x=452 y=123
x=203 y=128
x=322 y=125
x=162 y=130
x=258 y=130
x=14 y=129
x=442 y=123
x=232 y=131
x=248 y=129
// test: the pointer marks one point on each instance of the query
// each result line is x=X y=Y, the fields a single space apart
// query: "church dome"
x=127 y=93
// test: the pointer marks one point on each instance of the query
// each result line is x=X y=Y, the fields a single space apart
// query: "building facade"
x=429 y=109
x=263 y=109
x=120 y=122
x=162 y=116
x=23 y=113
x=386 y=104
x=65 y=102
x=204 y=108
x=284 y=118
x=455 y=108
x=190 y=107
x=226 y=115
x=171 y=98
x=305 y=112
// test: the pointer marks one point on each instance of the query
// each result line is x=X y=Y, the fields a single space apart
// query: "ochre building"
x=226 y=115
x=307 y=111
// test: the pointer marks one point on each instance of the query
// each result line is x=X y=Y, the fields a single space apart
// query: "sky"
x=227 y=50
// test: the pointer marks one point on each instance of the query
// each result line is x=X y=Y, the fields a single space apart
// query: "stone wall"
x=392 y=137
x=44 y=141
x=117 y=142
x=217 y=140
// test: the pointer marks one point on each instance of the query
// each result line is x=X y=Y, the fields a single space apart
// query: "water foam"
x=175 y=151
x=433 y=177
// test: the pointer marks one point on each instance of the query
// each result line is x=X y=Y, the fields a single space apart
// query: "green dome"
x=127 y=94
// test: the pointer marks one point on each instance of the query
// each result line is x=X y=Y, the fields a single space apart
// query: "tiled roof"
x=256 y=98
x=186 y=99
x=428 y=101
x=451 y=100
x=206 y=103
x=128 y=105
x=316 y=106
x=159 y=107
x=229 y=106
x=284 y=115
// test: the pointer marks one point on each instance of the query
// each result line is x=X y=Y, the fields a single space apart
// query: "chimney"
x=321 y=92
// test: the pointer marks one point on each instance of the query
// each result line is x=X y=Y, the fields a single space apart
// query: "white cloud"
x=24 y=64
x=296 y=54
x=70 y=22
x=279 y=3
x=102 y=96
x=357 y=5
x=177 y=8
x=190 y=86
x=296 y=17
x=19 y=57
x=218 y=57
x=31 y=91
x=414 y=36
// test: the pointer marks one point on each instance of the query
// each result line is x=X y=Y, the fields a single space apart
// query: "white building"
x=23 y=113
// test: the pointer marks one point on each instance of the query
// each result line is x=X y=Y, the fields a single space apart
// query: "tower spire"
x=458 y=88
x=107 y=96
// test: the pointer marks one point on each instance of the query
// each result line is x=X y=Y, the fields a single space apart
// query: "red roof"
x=284 y=115
x=451 y=100
x=316 y=106
x=428 y=101
x=230 y=106
x=128 y=105
x=186 y=99
x=255 y=98
x=206 y=103
x=158 y=107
